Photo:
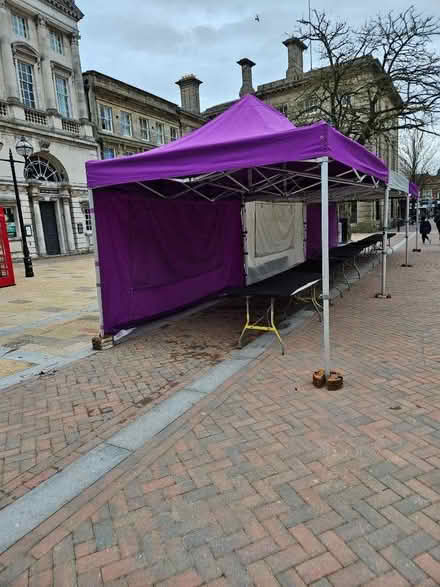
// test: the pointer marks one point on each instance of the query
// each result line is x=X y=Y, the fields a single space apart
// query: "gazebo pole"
x=417 y=250
x=406 y=264
x=382 y=293
x=97 y=269
x=325 y=263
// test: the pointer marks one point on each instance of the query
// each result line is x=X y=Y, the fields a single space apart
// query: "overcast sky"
x=152 y=43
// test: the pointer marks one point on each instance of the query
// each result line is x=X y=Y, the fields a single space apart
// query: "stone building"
x=42 y=98
x=129 y=120
x=296 y=96
x=430 y=186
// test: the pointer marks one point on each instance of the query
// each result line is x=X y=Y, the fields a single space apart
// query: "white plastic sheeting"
x=275 y=238
x=398 y=182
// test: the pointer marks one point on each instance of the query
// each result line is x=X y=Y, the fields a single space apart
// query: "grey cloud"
x=151 y=43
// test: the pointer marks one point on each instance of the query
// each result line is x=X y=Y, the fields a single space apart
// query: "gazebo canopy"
x=214 y=161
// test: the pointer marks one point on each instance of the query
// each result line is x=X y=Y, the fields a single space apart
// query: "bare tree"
x=417 y=156
x=418 y=152
x=376 y=79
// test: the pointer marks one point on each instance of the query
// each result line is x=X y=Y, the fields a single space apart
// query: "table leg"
x=345 y=276
x=316 y=304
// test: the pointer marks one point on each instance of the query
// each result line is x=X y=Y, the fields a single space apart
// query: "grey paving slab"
x=32 y=356
x=295 y=321
x=4 y=350
x=44 y=366
x=144 y=428
x=218 y=375
x=36 y=506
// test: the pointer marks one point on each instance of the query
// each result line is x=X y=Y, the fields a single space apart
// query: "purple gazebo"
x=168 y=221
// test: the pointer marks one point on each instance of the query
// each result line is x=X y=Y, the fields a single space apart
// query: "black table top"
x=288 y=282
x=282 y=285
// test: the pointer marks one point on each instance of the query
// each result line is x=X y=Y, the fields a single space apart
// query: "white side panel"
x=398 y=182
x=275 y=238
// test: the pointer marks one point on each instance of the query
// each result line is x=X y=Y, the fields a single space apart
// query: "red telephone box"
x=6 y=268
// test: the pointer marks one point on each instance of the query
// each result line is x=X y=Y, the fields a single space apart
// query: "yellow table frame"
x=270 y=315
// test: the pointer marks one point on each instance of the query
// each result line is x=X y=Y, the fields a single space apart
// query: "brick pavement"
x=269 y=481
x=47 y=423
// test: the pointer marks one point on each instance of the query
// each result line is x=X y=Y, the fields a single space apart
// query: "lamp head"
x=24 y=148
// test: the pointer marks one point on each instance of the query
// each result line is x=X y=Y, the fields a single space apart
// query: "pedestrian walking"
x=425 y=229
x=437 y=221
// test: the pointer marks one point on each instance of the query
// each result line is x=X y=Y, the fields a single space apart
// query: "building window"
x=160 y=133
x=56 y=42
x=19 y=24
x=173 y=133
x=145 y=129
x=62 y=89
x=26 y=82
x=282 y=108
x=378 y=214
x=87 y=218
x=11 y=222
x=346 y=101
x=354 y=212
x=39 y=168
x=311 y=104
x=108 y=153
x=106 y=116
x=126 y=130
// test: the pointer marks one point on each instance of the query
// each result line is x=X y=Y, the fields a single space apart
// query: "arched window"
x=39 y=168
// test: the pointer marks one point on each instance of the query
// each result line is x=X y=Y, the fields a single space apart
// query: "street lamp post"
x=24 y=149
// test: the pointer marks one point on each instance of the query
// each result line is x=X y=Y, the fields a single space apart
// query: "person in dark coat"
x=425 y=229
x=437 y=220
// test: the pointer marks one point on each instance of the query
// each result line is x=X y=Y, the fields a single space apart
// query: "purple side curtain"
x=158 y=256
x=314 y=229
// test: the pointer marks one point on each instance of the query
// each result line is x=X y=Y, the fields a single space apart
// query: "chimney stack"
x=246 y=75
x=189 y=93
x=295 y=50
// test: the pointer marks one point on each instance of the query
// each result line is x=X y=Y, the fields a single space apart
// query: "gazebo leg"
x=383 y=295
x=406 y=264
x=325 y=264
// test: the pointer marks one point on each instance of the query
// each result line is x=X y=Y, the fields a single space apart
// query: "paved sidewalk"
x=269 y=481
x=49 y=319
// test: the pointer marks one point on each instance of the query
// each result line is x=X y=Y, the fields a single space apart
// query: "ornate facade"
x=293 y=96
x=42 y=98
x=129 y=120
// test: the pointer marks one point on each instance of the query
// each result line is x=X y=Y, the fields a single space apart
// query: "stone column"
x=3 y=93
x=60 y=227
x=68 y=221
x=39 y=231
x=7 y=59
x=46 y=70
x=89 y=84
x=78 y=80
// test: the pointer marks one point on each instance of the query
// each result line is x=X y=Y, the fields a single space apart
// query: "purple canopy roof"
x=249 y=134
